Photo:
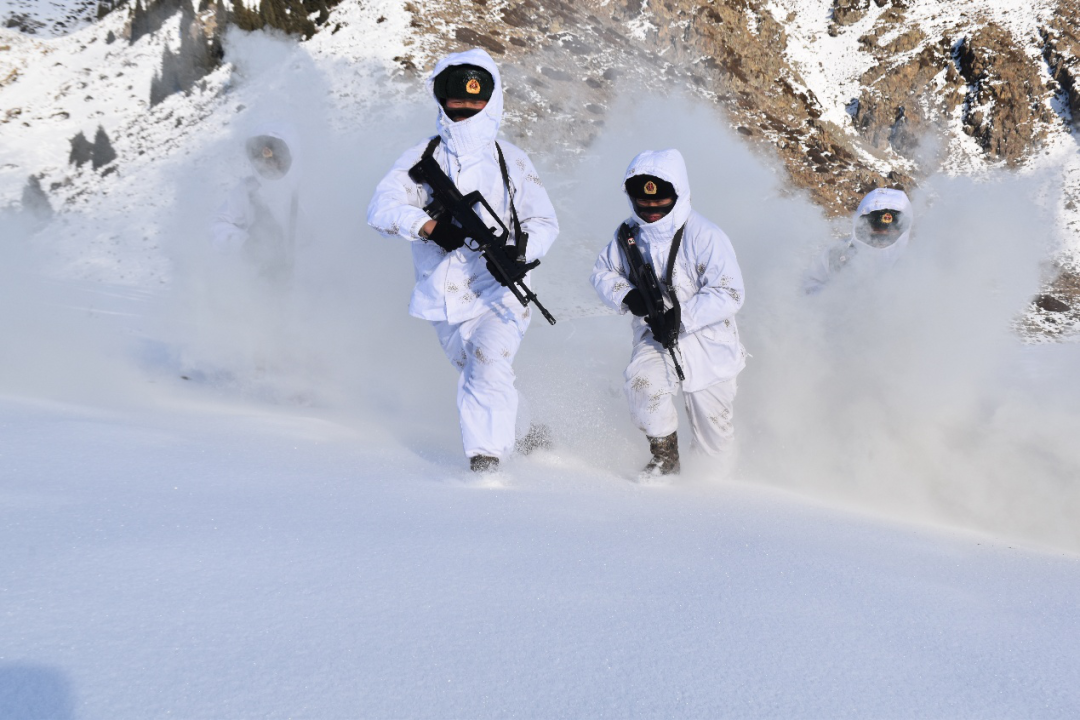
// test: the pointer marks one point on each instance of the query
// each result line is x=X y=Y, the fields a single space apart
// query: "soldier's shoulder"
x=244 y=188
x=839 y=254
x=701 y=227
x=510 y=148
x=514 y=154
x=519 y=166
x=414 y=152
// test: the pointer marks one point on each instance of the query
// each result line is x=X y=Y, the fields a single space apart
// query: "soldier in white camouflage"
x=697 y=257
x=479 y=322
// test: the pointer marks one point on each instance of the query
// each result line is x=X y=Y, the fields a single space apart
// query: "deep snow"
x=290 y=531
x=224 y=561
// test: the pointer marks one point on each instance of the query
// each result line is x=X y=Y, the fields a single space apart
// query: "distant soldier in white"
x=259 y=217
x=684 y=299
x=880 y=234
x=478 y=320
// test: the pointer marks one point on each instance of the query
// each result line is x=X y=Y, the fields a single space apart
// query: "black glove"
x=666 y=328
x=447 y=235
x=506 y=256
x=635 y=303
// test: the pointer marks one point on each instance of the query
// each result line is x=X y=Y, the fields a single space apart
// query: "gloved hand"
x=447 y=235
x=635 y=302
x=666 y=328
x=506 y=256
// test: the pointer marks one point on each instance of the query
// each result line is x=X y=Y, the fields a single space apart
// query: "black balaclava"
x=463 y=82
x=650 y=187
x=881 y=228
x=269 y=156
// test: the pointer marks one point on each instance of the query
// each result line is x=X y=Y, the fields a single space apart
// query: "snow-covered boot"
x=665 y=457
x=483 y=463
x=538 y=438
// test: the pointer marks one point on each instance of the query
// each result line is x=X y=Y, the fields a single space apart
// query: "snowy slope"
x=49 y=18
x=215 y=508
x=232 y=562
x=832 y=65
x=75 y=83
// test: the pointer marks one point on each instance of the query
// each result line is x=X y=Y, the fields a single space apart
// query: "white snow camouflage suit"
x=854 y=251
x=261 y=217
x=709 y=286
x=478 y=321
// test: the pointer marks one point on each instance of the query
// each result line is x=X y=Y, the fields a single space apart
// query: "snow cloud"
x=55 y=344
x=906 y=394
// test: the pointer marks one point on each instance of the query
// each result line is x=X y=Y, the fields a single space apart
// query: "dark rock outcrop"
x=1005 y=109
x=1061 y=50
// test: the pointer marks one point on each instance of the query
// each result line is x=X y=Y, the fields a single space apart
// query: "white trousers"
x=483 y=350
x=651 y=385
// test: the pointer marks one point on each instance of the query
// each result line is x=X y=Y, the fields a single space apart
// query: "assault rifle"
x=643 y=277
x=449 y=204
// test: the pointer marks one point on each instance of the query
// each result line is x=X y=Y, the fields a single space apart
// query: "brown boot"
x=665 y=457
x=483 y=463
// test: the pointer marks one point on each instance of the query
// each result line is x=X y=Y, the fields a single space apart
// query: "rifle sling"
x=510 y=195
x=429 y=151
x=671 y=261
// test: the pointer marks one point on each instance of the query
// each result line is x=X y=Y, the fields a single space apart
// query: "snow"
x=638 y=28
x=830 y=66
x=291 y=530
x=241 y=562
x=51 y=18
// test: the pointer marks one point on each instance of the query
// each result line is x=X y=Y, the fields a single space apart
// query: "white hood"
x=279 y=195
x=666 y=165
x=284 y=132
x=884 y=199
x=479 y=131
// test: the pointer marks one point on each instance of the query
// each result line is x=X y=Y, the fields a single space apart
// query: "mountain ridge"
x=847 y=94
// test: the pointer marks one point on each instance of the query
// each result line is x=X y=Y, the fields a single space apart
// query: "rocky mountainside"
x=852 y=94
x=847 y=94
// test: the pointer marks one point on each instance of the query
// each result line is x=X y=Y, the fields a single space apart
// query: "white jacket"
x=260 y=216
x=707 y=279
x=854 y=251
x=457 y=286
